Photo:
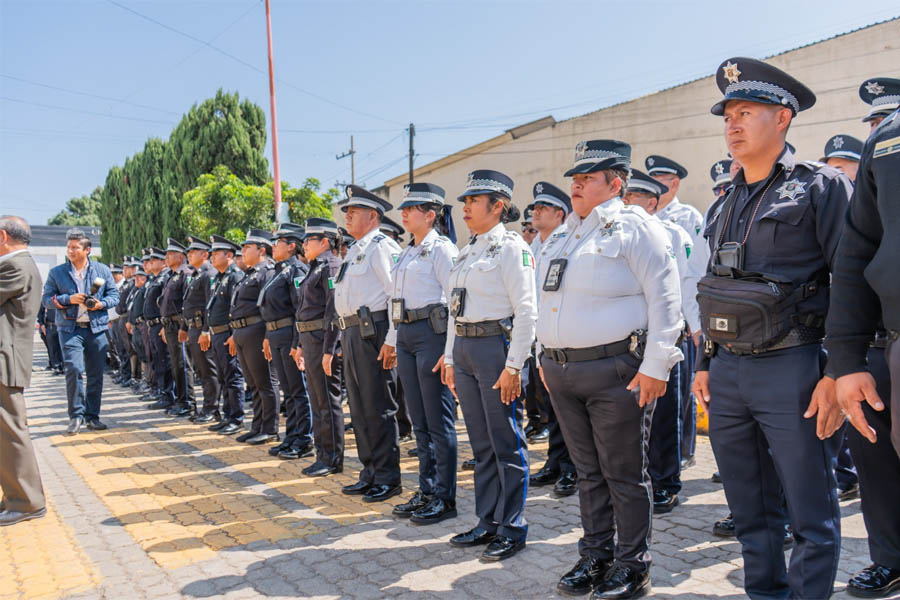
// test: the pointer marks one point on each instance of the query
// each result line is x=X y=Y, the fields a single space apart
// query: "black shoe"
x=262 y=438
x=204 y=418
x=545 y=476
x=357 y=489
x=664 y=501
x=316 y=465
x=179 y=411
x=381 y=492
x=414 y=451
x=468 y=465
x=125 y=383
x=293 y=452
x=587 y=572
x=623 y=582
x=875 y=581
x=472 y=537
x=502 y=547
x=245 y=436
x=160 y=405
x=231 y=428
x=318 y=469
x=788 y=535
x=218 y=426
x=74 y=426
x=405 y=510
x=434 y=512
x=716 y=478
x=687 y=463
x=96 y=425
x=724 y=527
x=532 y=426
x=348 y=427
x=11 y=517
x=848 y=493
x=274 y=450
x=566 y=485
x=541 y=435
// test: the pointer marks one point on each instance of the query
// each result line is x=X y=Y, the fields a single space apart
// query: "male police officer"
x=762 y=306
x=171 y=304
x=362 y=288
x=842 y=152
x=883 y=93
x=159 y=355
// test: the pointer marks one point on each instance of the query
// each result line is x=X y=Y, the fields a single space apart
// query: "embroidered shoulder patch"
x=331 y=283
x=527 y=259
x=886 y=147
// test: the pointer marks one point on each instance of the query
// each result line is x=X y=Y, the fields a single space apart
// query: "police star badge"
x=838 y=143
x=874 y=88
x=651 y=161
x=731 y=72
x=539 y=188
x=791 y=189
x=349 y=192
x=579 y=150
x=493 y=250
x=470 y=179
x=720 y=168
x=610 y=228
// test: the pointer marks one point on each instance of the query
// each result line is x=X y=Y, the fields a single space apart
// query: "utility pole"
x=352 y=155
x=412 y=152
x=277 y=173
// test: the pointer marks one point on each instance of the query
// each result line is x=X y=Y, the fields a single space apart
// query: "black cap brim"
x=609 y=163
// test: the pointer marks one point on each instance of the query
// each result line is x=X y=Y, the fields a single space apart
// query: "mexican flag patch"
x=296 y=282
x=527 y=259
x=331 y=283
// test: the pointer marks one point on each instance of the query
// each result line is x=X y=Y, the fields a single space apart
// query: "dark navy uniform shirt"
x=136 y=304
x=196 y=294
x=315 y=296
x=124 y=293
x=219 y=305
x=154 y=289
x=277 y=300
x=246 y=293
x=171 y=302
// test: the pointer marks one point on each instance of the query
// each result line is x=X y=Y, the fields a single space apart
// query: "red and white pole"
x=277 y=188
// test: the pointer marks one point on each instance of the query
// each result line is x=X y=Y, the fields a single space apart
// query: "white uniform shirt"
x=683 y=247
x=367 y=277
x=540 y=250
x=422 y=273
x=689 y=218
x=497 y=271
x=619 y=278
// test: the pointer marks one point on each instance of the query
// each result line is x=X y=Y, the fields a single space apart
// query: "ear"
x=783 y=121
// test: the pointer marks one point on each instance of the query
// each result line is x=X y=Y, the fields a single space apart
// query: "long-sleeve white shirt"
x=689 y=218
x=683 y=247
x=422 y=273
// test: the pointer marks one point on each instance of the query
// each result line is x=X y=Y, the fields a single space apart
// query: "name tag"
x=555 y=274
x=398 y=310
x=457 y=302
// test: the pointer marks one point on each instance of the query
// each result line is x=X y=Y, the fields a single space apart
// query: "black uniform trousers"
x=182 y=372
x=893 y=360
x=760 y=439
x=372 y=409
x=535 y=410
x=607 y=435
x=496 y=435
x=205 y=364
x=159 y=355
x=256 y=370
x=54 y=349
x=292 y=381
x=395 y=388
x=325 y=402
x=230 y=377
x=878 y=468
x=687 y=416
x=665 y=435
x=431 y=407
x=558 y=458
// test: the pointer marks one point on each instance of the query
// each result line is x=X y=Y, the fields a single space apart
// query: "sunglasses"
x=529 y=230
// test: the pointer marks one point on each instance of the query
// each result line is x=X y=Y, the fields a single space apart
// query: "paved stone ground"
x=159 y=508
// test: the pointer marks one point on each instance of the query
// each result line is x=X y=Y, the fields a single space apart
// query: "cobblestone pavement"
x=157 y=507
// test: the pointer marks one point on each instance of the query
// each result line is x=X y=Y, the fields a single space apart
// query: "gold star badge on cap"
x=731 y=72
x=349 y=192
x=719 y=168
x=874 y=88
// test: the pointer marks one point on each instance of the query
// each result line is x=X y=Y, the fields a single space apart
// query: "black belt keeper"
x=567 y=355
x=480 y=329
x=307 y=326
x=353 y=320
x=276 y=325
x=245 y=322
x=419 y=314
x=219 y=328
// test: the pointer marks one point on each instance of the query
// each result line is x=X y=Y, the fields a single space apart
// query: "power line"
x=87 y=112
x=86 y=94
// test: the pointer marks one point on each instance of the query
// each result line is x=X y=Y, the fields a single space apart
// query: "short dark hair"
x=77 y=234
x=16 y=228
x=621 y=174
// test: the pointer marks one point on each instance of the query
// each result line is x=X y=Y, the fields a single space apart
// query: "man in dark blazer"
x=20 y=298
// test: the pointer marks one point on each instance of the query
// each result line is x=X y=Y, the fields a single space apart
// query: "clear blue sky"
x=461 y=70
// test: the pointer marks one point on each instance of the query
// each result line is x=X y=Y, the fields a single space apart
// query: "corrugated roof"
x=55 y=235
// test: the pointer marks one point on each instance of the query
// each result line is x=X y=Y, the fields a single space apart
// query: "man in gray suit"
x=20 y=298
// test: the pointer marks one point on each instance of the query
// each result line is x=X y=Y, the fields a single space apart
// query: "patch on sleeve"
x=527 y=259
x=687 y=250
x=395 y=258
x=296 y=282
x=331 y=283
x=886 y=147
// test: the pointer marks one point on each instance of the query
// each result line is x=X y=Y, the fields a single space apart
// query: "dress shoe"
x=11 y=517
x=532 y=426
x=262 y=438
x=664 y=501
x=245 y=436
x=788 y=535
x=48 y=368
x=274 y=450
x=848 y=493
x=468 y=465
x=502 y=547
x=316 y=464
x=687 y=463
x=541 y=435
x=357 y=489
x=405 y=510
x=294 y=452
x=724 y=527
x=160 y=405
x=473 y=537
x=97 y=425
x=321 y=470
x=204 y=418
x=406 y=437
x=716 y=478
x=125 y=383
x=231 y=428
x=545 y=476
x=179 y=411
x=74 y=426
x=875 y=581
x=412 y=452
x=623 y=582
x=348 y=427
x=566 y=485
x=434 y=512
x=381 y=492
x=587 y=572
x=218 y=426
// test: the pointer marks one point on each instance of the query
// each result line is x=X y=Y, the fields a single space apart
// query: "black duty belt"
x=418 y=314
x=219 y=328
x=480 y=329
x=798 y=336
x=307 y=326
x=139 y=320
x=883 y=338
x=173 y=320
x=245 y=322
x=195 y=323
x=276 y=325
x=154 y=321
x=567 y=355
x=353 y=320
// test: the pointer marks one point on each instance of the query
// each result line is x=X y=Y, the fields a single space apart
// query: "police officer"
x=550 y=209
x=121 y=337
x=159 y=355
x=864 y=292
x=665 y=431
x=138 y=331
x=419 y=313
x=536 y=428
x=196 y=297
x=762 y=303
x=248 y=330
x=529 y=233
x=278 y=304
x=492 y=305
x=609 y=318
x=842 y=152
x=217 y=332
x=171 y=304
x=720 y=173
x=316 y=336
x=363 y=286
x=883 y=94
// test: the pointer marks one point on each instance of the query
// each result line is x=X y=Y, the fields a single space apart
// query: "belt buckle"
x=342 y=323
x=561 y=356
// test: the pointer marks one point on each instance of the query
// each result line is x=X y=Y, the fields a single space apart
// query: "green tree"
x=83 y=210
x=307 y=201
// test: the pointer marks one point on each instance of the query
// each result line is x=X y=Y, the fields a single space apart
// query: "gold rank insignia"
x=731 y=72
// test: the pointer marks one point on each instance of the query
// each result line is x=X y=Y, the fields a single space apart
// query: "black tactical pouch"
x=507 y=326
x=366 y=323
x=438 y=318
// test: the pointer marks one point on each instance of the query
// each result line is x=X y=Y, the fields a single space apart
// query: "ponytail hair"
x=443 y=220
x=510 y=212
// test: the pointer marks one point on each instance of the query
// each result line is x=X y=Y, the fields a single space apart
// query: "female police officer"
x=419 y=312
x=492 y=286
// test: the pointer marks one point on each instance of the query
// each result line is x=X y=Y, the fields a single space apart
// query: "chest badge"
x=493 y=250
x=610 y=228
x=791 y=189
x=359 y=258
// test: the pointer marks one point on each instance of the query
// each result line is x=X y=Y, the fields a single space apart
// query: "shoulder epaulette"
x=378 y=238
